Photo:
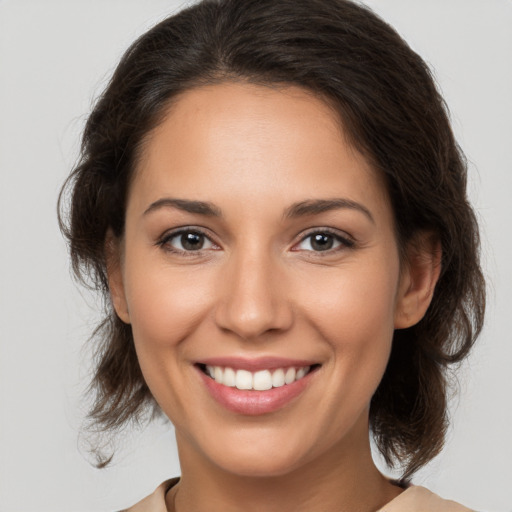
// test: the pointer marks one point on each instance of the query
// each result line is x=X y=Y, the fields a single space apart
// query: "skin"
x=258 y=288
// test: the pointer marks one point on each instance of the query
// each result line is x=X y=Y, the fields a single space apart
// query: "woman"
x=271 y=198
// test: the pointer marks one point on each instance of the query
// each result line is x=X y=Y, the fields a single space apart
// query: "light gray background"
x=55 y=56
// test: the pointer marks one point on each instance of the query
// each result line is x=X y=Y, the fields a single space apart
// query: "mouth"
x=262 y=380
x=256 y=387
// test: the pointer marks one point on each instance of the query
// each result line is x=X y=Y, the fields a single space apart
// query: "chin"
x=259 y=453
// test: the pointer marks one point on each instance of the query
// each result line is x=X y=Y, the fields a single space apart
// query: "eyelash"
x=345 y=242
x=164 y=242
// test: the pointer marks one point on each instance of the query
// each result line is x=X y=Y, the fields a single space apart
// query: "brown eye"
x=192 y=241
x=322 y=241
x=187 y=241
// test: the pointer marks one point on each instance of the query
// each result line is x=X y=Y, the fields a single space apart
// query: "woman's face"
x=259 y=247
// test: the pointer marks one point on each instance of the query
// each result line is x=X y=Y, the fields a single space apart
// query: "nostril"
x=252 y=298
x=250 y=318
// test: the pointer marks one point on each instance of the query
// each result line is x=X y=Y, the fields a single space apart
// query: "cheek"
x=353 y=311
x=165 y=305
x=352 y=304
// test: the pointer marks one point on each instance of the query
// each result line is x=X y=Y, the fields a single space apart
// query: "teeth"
x=300 y=373
x=260 y=381
x=289 y=376
x=229 y=377
x=217 y=374
x=243 y=379
x=278 y=378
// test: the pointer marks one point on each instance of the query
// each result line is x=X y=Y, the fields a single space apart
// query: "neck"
x=341 y=480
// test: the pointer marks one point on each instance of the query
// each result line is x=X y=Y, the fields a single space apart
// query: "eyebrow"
x=186 y=205
x=317 y=206
x=301 y=209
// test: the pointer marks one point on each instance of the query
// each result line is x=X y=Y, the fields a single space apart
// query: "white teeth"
x=262 y=380
x=278 y=378
x=259 y=381
x=229 y=377
x=300 y=373
x=290 y=376
x=243 y=379
x=217 y=374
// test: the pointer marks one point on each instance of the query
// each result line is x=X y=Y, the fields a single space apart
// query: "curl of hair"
x=392 y=113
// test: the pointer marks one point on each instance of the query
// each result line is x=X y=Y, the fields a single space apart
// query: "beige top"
x=413 y=499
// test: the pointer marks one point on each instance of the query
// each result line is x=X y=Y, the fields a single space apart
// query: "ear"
x=113 y=259
x=418 y=279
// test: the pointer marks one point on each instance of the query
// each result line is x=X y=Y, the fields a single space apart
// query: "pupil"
x=322 y=242
x=192 y=241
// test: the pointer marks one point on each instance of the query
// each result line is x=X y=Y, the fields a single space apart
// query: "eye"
x=187 y=240
x=322 y=241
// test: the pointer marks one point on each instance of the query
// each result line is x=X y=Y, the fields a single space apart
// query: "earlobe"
x=115 y=277
x=418 y=280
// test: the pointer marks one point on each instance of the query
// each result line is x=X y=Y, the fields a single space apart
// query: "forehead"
x=251 y=141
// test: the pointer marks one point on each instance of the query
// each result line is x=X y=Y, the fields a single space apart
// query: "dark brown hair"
x=393 y=114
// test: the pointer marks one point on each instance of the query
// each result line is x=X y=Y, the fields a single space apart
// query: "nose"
x=253 y=296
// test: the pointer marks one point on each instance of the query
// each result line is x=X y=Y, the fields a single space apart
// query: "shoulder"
x=419 y=499
x=155 y=502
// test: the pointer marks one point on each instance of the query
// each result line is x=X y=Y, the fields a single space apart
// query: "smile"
x=255 y=387
x=262 y=380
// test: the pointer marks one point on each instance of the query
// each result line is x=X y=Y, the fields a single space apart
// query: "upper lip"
x=256 y=364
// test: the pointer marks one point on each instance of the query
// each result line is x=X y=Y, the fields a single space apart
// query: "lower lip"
x=251 y=402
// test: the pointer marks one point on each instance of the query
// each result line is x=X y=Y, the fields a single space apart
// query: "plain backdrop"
x=55 y=57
